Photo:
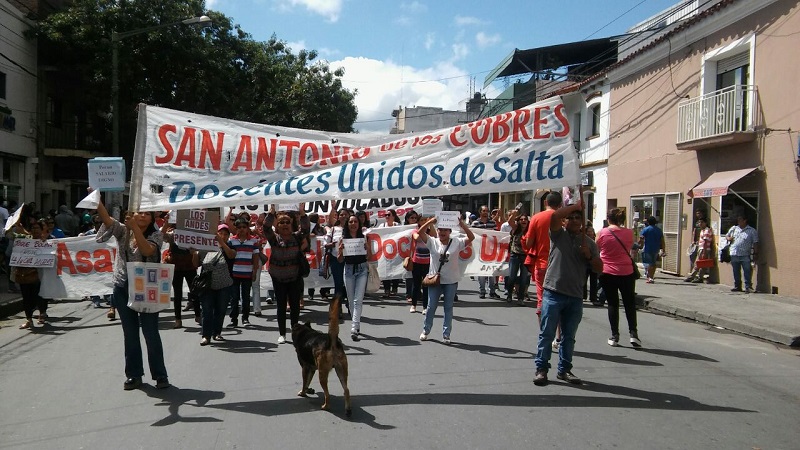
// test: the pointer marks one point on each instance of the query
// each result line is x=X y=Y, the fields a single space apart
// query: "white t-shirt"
x=451 y=270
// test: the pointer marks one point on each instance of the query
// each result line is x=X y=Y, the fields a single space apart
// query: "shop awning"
x=719 y=182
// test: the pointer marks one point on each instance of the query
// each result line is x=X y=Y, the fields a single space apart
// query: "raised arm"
x=467 y=231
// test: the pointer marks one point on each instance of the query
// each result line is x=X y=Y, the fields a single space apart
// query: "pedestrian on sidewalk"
x=615 y=244
x=705 y=251
x=138 y=240
x=570 y=253
x=652 y=243
x=743 y=241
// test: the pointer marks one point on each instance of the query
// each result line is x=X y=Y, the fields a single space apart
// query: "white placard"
x=337 y=234
x=90 y=201
x=33 y=253
x=11 y=221
x=354 y=247
x=288 y=207
x=431 y=206
x=448 y=219
x=107 y=174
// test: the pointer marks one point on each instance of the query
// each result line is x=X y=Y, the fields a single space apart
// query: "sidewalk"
x=766 y=316
x=10 y=302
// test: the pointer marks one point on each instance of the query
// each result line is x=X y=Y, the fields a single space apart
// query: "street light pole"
x=114 y=199
x=115 y=38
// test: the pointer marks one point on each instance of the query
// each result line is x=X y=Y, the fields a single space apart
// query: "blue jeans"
x=434 y=292
x=517 y=275
x=131 y=321
x=355 y=281
x=482 y=285
x=742 y=264
x=568 y=311
x=337 y=271
x=214 y=302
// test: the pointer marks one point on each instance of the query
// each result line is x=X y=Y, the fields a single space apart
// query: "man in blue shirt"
x=743 y=241
x=652 y=240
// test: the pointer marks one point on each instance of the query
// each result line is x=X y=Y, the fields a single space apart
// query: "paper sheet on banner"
x=186 y=161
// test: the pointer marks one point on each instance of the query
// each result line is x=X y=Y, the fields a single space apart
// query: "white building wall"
x=18 y=133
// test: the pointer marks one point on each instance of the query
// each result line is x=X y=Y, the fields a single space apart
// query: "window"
x=576 y=131
x=734 y=205
x=595 y=116
x=2 y=85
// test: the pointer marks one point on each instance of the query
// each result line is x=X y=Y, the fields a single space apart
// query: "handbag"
x=373 y=278
x=636 y=273
x=692 y=249
x=305 y=267
x=725 y=254
x=149 y=286
x=433 y=279
x=26 y=275
x=201 y=284
x=408 y=263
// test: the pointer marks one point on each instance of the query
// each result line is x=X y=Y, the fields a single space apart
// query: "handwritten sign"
x=354 y=247
x=288 y=207
x=431 y=206
x=33 y=253
x=107 y=174
x=196 y=229
x=448 y=219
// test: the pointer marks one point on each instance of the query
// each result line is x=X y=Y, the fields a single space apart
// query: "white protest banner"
x=448 y=219
x=184 y=160
x=196 y=229
x=84 y=267
x=375 y=208
x=107 y=174
x=33 y=253
x=430 y=206
x=487 y=256
x=354 y=247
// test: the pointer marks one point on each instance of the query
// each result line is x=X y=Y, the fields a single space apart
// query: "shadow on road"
x=174 y=397
x=621 y=397
x=619 y=359
x=675 y=354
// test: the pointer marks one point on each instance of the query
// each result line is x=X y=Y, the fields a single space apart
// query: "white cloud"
x=403 y=21
x=484 y=40
x=383 y=86
x=414 y=7
x=460 y=51
x=430 y=39
x=468 y=20
x=329 y=9
x=296 y=46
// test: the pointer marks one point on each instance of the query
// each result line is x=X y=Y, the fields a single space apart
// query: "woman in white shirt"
x=444 y=260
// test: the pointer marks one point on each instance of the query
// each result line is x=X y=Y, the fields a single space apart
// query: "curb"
x=725 y=322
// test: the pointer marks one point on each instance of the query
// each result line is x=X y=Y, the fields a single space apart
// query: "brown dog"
x=323 y=352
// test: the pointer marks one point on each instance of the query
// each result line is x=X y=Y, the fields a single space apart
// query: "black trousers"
x=613 y=286
x=288 y=293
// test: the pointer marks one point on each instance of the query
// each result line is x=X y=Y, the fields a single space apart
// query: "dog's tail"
x=333 y=319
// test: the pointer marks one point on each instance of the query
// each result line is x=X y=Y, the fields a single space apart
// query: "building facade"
x=705 y=118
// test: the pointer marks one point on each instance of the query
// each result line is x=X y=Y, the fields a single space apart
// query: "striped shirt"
x=243 y=261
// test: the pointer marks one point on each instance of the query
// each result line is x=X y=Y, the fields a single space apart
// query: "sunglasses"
x=282 y=222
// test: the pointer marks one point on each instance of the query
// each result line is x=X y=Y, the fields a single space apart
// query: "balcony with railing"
x=724 y=117
x=75 y=139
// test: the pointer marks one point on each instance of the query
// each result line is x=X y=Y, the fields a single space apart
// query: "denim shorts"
x=649 y=259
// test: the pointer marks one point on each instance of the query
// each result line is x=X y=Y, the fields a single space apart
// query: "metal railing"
x=717 y=113
x=77 y=136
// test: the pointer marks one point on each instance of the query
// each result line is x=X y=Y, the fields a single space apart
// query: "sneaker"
x=613 y=341
x=687 y=280
x=269 y=300
x=748 y=290
x=482 y=296
x=234 y=323
x=568 y=377
x=204 y=341
x=556 y=344
x=218 y=338
x=354 y=336
x=424 y=311
x=413 y=309
x=635 y=341
x=495 y=295
x=736 y=289
x=541 y=377
x=650 y=281
x=162 y=383
x=697 y=280
x=281 y=340
x=446 y=340
x=245 y=321
x=423 y=336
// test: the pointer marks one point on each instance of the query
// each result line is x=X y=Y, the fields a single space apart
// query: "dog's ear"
x=307 y=325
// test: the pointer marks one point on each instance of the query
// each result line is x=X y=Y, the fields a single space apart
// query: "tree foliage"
x=218 y=70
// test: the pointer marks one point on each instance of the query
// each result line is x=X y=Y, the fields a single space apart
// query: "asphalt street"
x=691 y=386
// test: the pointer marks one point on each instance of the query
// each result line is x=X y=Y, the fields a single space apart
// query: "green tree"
x=218 y=70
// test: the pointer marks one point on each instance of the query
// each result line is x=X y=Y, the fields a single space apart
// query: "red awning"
x=719 y=182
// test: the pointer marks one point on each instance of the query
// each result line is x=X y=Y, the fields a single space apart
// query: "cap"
x=223 y=226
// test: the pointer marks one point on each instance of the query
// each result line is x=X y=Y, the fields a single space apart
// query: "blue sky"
x=425 y=52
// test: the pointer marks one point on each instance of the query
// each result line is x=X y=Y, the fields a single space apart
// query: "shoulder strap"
x=623 y=245
x=441 y=263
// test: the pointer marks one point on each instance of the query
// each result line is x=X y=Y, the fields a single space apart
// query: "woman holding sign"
x=28 y=277
x=444 y=262
x=353 y=252
x=138 y=240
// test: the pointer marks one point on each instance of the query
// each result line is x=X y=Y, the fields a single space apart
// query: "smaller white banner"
x=448 y=219
x=107 y=174
x=33 y=253
x=431 y=206
x=354 y=247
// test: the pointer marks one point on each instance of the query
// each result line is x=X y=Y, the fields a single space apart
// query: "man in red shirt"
x=537 y=243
